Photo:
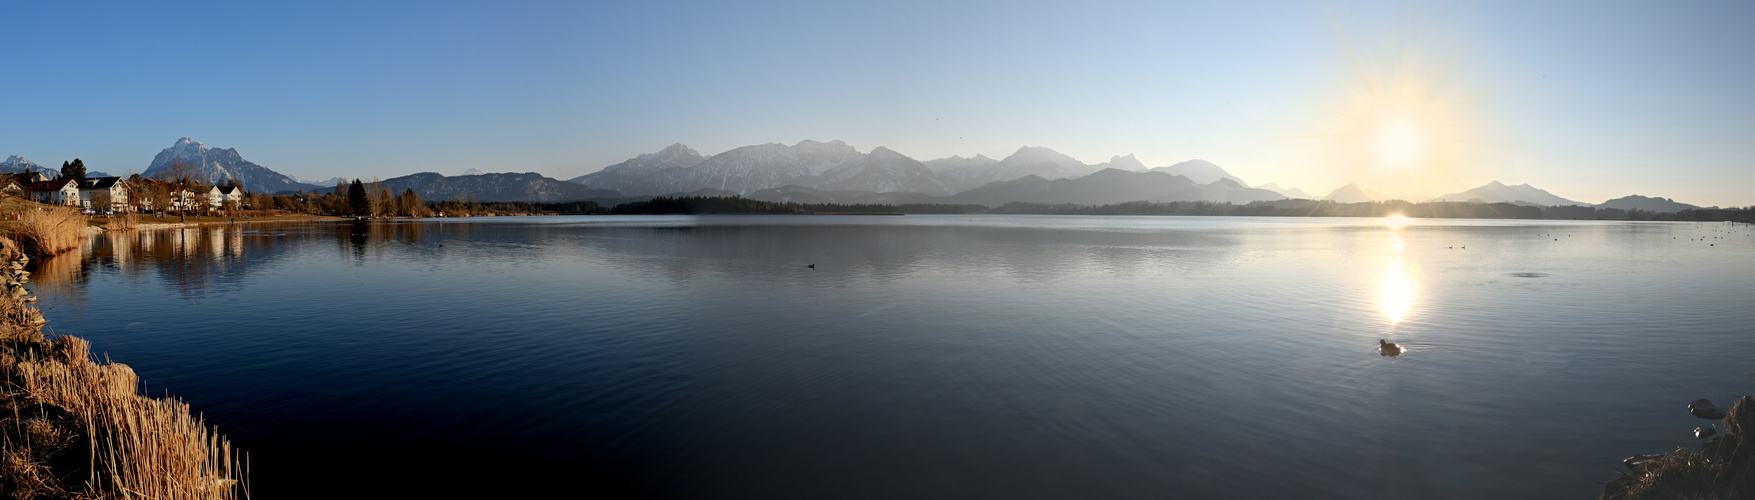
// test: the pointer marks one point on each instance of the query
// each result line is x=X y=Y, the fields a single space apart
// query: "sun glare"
x=1408 y=124
x=1400 y=144
x=1398 y=292
x=1395 y=221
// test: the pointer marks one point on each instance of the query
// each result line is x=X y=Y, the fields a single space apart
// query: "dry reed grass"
x=73 y=428
x=123 y=222
x=139 y=446
x=1723 y=469
x=49 y=231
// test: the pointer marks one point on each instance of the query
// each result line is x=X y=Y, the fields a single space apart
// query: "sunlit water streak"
x=928 y=356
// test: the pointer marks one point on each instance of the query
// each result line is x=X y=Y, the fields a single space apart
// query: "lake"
x=927 y=356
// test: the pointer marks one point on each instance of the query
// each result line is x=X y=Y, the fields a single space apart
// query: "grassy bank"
x=75 y=428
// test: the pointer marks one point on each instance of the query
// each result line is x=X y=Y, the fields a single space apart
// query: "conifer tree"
x=357 y=200
x=75 y=170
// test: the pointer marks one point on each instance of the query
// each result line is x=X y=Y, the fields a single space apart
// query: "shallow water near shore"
x=928 y=356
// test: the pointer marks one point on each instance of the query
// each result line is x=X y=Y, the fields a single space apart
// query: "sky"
x=1589 y=100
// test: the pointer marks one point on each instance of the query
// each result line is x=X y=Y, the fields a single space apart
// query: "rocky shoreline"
x=1723 y=467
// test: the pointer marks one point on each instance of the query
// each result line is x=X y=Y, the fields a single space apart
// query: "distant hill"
x=1026 y=161
x=1496 y=192
x=1349 y=193
x=1107 y=187
x=884 y=171
x=1294 y=193
x=836 y=167
x=742 y=170
x=800 y=194
x=1199 y=171
x=1637 y=202
x=216 y=166
x=650 y=173
x=1128 y=163
x=330 y=182
x=17 y=164
x=957 y=162
x=529 y=186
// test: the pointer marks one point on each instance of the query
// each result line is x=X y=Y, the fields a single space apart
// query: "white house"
x=55 y=192
x=90 y=190
x=230 y=196
x=186 y=199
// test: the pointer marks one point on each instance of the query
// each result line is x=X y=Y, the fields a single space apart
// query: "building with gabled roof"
x=55 y=192
x=113 y=189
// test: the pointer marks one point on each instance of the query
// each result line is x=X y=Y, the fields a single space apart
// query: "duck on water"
x=1388 y=348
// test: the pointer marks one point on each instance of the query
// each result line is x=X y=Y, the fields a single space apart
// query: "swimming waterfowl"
x=1388 y=348
x=812 y=266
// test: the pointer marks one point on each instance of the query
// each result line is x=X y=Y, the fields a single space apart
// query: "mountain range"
x=836 y=166
x=1109 y=186
x=835 y=172
x=1496 y=192
x=528 y=186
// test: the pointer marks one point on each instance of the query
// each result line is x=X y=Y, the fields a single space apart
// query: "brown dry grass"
x=122 y=222
x=49 y=231
x=1723 y=469
x=73 y=428
x=138 y=446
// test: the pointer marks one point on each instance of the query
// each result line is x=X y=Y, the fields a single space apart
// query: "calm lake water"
x=928 y=356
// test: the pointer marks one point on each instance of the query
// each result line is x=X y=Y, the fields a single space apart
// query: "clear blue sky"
x=1590 y=100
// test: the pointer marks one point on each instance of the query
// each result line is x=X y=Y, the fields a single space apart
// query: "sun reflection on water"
x=1398 y=280
x=1398 y=291
x=1395 y=221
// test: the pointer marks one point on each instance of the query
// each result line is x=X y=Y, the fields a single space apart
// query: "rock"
x=1703 y=432
x=1715 y=449
x=1704 y=409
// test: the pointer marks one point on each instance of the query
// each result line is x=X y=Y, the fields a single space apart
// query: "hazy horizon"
x=1589 y=101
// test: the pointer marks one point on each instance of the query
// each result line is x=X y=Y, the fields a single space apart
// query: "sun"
x=1400 y=144
x=1406 y=120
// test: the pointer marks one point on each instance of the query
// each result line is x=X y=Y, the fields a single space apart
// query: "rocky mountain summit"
x=218 y=166
x=17 y=164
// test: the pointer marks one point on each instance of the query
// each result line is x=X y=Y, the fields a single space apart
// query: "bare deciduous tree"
x=181 y=177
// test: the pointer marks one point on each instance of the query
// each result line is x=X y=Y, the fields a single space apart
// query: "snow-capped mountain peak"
x=16 y=164
x=217 y=166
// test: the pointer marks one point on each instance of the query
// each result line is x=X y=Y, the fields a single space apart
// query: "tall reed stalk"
x=74 y=428
x=49 y=231
x=140 y=447
x=123 y=222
